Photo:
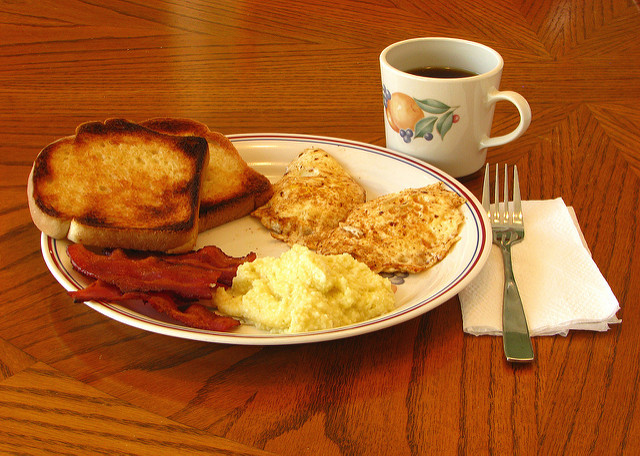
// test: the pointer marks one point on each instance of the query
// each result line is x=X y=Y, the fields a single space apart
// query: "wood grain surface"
x=73 y=381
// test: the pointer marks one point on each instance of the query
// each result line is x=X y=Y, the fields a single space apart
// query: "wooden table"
x=73 y=381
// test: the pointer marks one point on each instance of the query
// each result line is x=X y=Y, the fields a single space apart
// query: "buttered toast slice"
x=118 y=184
x=231 y=189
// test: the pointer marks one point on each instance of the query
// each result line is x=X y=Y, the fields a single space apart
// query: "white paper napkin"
x=561 y=287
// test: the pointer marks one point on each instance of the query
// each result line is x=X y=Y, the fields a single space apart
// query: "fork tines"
x=500 y=213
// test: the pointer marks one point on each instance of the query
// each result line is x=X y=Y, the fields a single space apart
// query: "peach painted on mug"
x=412 y=118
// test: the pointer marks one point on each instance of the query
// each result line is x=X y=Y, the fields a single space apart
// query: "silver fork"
x=508 y=228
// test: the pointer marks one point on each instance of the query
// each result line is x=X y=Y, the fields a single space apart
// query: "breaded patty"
x=407 y=231
x=315 y=194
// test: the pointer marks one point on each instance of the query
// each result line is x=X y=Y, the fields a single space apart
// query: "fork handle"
x=515 y=332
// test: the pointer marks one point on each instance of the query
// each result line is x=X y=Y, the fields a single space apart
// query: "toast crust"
x=118 y=184
x=231 y=189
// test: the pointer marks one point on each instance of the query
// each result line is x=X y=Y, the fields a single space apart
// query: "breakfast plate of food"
x=252 y=235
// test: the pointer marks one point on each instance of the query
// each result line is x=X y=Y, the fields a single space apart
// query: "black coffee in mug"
x=441 y=72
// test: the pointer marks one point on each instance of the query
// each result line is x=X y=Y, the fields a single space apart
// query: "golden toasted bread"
x=314 y=195
x=118 y=184
x=231 y=189
x=407 y=231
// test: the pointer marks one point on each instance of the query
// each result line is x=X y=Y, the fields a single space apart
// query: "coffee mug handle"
x=525 y=117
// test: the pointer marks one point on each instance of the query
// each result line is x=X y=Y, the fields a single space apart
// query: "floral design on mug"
x=413 y=118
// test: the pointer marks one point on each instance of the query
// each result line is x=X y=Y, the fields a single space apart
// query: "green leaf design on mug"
x=432 y=106
x=425 y=125
x=445 y=123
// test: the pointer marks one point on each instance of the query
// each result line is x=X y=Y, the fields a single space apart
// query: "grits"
x=304 y=291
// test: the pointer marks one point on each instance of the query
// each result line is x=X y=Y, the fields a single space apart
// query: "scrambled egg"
x=304 y=291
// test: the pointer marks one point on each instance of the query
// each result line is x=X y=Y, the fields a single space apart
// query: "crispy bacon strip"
x=213 y=257
x=151 y=273
x=195 y=315
x=160 y=280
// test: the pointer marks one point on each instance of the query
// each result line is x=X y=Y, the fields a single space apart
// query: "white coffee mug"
x=445 y=121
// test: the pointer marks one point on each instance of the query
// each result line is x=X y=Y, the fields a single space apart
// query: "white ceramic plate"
x=379 y=171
